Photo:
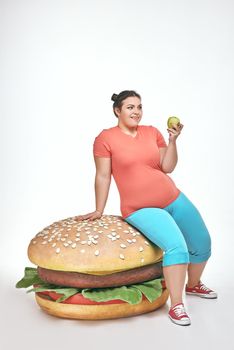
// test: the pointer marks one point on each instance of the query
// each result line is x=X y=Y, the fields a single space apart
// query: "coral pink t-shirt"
x=136 y=167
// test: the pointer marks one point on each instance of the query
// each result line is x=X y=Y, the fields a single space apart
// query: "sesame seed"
x=69 y=242
x=73 y=245
x=147 y=243
x=123 y=245
x=58 y=250
x=82 y=250
x=65 y=244
x=121 y=256
x=34 y=242
x=83 y=242
x=125 y=231
x=44 y=242
x=142 y=260
x=141 y=249
x=54 y=245
x=129 y=240
x=96 y=252
x=134 y=240
x=113 y=238
x=39 y=234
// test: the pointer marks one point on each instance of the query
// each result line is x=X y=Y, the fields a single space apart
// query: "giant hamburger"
x=99 y=269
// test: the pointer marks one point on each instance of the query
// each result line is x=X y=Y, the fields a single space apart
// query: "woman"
x=139 y=159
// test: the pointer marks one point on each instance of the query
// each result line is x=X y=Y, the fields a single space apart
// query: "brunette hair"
x=119 y=98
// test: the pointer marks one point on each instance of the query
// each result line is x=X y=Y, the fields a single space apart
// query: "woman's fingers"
x=87 y=216
x=80 y=217
x=177 y=127
x=173 y=131
x=176 y=130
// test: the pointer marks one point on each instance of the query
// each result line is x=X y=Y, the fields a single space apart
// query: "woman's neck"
x=128 y=130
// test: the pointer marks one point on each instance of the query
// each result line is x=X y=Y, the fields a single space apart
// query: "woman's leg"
x=195 y=233
x=175 y=280
x=194 y=273
x=159 y=227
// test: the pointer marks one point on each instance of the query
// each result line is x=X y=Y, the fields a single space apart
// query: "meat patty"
x=83 y=280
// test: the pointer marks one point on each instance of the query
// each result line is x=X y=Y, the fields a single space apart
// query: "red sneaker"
x=202 y=291
x=178 y=315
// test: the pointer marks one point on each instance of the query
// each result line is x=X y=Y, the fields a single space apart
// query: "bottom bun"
x=100 y=312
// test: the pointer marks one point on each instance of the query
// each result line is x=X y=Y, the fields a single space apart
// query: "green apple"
x=172 y=120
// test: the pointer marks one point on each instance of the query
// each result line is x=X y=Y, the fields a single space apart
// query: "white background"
x=60 y=63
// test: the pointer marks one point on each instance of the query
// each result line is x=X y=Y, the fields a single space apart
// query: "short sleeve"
x=101 y=148
x=158 y=137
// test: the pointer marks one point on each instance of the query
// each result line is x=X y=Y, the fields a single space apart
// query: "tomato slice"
x=79 y=299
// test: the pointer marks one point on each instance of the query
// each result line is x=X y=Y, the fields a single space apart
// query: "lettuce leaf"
x=131 y=294
x=30 y=277
x=128 y=294
x=151 y=289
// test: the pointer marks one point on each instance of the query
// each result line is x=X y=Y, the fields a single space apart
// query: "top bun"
x=102 y=246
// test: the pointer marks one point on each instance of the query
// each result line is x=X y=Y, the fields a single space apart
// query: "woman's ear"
x=117 y=111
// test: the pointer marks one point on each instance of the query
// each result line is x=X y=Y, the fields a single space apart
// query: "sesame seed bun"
x=99 y=247
x=99 y=312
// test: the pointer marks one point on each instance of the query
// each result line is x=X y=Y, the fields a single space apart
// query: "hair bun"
x=114 y=97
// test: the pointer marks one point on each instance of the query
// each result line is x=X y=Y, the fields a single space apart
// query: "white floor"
x=25 y=326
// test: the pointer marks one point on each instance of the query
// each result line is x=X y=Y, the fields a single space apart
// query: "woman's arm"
x=168 y=155
x=102 y=185
x=102 y=182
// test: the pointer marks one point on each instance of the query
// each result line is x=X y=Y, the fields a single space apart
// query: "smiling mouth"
x=135 y=118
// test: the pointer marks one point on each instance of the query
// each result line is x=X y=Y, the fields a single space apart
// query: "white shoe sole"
x=180 y=323
x=206 y=296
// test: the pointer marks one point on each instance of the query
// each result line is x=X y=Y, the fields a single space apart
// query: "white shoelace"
x=203 y=287
x=180 y=311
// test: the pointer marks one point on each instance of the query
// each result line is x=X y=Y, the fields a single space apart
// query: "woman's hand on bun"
x=92 y=216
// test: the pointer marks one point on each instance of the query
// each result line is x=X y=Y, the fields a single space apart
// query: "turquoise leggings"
x=177 y=229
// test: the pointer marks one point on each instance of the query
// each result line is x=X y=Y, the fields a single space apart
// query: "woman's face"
x=131 y=112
